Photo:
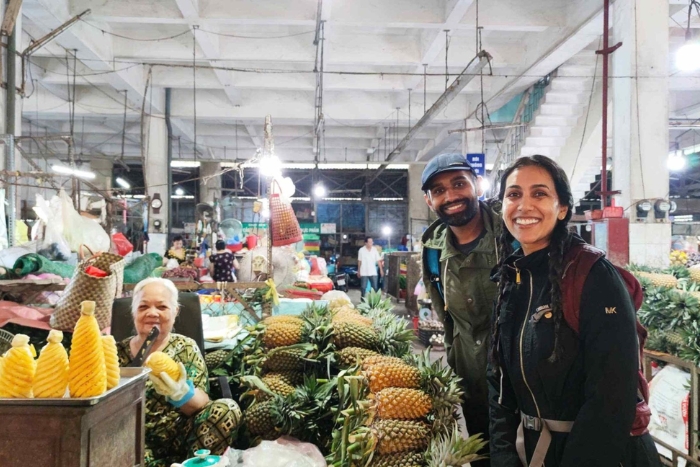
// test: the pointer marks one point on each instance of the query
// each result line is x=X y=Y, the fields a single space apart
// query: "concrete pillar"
x=156 y=171
x=418 y=210
x=209 y=182
x=640 y=120
x=103 y=173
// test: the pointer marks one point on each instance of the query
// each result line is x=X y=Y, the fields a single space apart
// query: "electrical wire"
x=341 y=73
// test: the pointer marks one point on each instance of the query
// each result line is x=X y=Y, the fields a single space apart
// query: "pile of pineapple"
x=671 y=309
x=91 y=370
x=344 y=379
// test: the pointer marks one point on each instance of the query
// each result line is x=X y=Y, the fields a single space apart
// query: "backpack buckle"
x=531 y=423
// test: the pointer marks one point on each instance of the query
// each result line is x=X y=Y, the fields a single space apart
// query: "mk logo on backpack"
x=610 y=310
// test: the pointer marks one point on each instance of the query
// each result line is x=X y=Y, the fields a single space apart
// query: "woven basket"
x=283 y=223
x=82 y=287
x=5 y=341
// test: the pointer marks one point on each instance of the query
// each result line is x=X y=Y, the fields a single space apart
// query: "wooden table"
x=98 y=432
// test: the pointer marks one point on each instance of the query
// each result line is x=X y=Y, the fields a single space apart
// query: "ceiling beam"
x=437 y=43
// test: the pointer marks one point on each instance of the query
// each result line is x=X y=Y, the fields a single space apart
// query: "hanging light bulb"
x=688 y=56
x=270 y=166
x=179 y=191
x=485 y=185
x=320 y=191
x=676 y=161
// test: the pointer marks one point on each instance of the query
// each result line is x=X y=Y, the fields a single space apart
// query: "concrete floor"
x=401 y=312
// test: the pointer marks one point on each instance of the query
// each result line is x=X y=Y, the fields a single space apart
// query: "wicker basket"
x=283 y=222
x=5 y=341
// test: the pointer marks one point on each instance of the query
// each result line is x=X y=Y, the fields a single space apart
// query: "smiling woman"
x=180 y=417
x=544 y=376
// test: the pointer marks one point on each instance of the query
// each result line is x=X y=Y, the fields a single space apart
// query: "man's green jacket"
x=469 y=298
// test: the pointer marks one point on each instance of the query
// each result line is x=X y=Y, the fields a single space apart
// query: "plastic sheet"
x=284 y=452
x=37 y=264
x=141 y=268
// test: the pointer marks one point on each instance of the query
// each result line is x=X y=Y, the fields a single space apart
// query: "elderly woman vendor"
x=180 y=418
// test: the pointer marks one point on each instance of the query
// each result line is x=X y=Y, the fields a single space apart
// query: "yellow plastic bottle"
x=18 y=370
x=51 y=379
x=109 y=345
x=87 y=375
x=160 y=362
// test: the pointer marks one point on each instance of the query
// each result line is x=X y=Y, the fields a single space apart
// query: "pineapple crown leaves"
x=679 y=271
x=451 y=450
x=439 y=381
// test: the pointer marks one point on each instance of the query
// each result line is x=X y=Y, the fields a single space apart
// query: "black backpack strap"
x=432 y=257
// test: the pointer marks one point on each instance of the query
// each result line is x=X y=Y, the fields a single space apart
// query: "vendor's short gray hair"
x=138 y=293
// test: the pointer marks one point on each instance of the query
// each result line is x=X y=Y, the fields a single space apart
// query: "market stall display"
x=345 y=380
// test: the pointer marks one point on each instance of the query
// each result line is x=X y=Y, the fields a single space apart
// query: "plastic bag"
x=79 y=230
x=284 y=452
x=337 y=298
x=121 y=244
x=49 y=230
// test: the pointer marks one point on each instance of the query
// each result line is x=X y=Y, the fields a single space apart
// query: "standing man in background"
x=459 y=251
x=367 y=261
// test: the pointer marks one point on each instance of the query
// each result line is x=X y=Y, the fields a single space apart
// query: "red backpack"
x=579 y=260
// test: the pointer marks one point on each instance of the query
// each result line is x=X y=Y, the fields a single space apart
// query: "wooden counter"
x=100 y=432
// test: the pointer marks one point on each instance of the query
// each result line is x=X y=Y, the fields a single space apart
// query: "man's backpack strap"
x=432 y=256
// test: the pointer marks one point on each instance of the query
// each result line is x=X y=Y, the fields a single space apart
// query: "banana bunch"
x=678 y=258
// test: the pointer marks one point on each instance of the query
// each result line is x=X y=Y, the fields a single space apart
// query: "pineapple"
x=402 y=459
x=354 y=335
x=659 y=280
x=260 y=419
x=369 y=362
x=279 y=383
x=402 y=403
x=160 y=362
x=87 y=376
x=390 y=375
x=111 y=361
x=19 y=369
x=350 y=356
x=395 y=436
x=282 y=334
x=352 y=317
x=216 y=358
x=288 y=319
x=52 y=368
x=286 y=358
x=694 y=273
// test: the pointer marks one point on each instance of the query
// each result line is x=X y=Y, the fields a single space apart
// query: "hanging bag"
x=283 y=222
x=84 y=286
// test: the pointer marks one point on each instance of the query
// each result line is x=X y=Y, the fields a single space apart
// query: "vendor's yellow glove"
x=178 y=392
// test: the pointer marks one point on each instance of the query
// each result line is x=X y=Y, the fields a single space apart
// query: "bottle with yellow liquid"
x=109 y=346
x=51 y=379
x=18 y=369
x=87 y=375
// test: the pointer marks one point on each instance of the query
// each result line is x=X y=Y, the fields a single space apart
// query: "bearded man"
x=459 y=252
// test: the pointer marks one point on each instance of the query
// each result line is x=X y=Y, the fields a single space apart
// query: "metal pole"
x=605 y=52
x=464 y=78
x=10 y=120
x=169 y=189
